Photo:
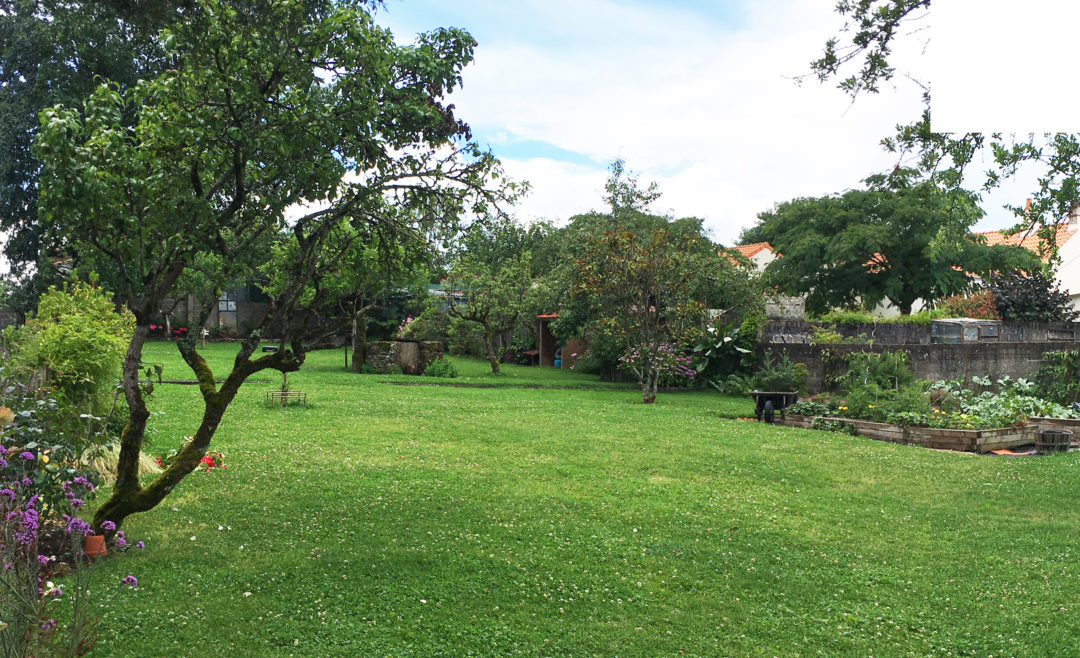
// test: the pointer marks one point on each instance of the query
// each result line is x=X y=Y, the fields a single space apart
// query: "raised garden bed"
x=980 y=441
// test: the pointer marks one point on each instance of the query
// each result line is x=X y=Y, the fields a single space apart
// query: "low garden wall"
x=929 y=361
x=980 y=441
x=887 y=333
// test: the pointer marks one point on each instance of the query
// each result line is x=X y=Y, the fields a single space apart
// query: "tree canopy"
x=57 y=52
x=861 y=57
x=641 y=286
x=866 y=246
x=493 y=295
x=272 y=117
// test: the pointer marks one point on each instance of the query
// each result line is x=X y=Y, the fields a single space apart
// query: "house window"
x=227 y=301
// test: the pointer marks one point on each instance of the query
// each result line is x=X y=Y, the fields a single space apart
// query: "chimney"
x=1074 y=213
x=1027 y=206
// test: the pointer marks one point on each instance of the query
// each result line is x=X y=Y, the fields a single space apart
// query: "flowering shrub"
x=672 y=367
x=178 y=332
x=29 y=600
x=37 y=449
x=981 y=305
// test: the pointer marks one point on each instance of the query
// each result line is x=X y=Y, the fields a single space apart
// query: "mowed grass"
x=447 y=521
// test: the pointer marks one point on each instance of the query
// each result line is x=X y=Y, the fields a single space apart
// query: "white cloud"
x=709 y=112
x=567 y=189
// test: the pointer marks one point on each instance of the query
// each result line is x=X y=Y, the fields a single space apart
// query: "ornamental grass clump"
x=441 y=367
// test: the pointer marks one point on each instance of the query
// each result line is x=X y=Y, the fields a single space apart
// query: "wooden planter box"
x=795 y=420
x=980 y=441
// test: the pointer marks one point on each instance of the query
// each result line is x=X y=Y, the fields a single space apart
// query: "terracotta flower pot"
x=94 y=546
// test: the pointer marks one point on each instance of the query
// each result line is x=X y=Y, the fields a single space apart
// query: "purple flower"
x=121 y=541
x=139 y=545
x=26 y=532
x=43 y=560
x=49 y=624
x=28 y=456
x=3 y=462
x=76 y=503
x=130 y=580
x=108 y=526
x=8 y=493
x=77 y=526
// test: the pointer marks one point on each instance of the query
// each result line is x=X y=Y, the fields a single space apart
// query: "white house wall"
x=1068 y=273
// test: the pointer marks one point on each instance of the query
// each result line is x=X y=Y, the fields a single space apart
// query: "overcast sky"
x=697 y=95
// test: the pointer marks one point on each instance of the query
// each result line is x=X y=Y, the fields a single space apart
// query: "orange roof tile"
x=1028 y=239
x=751 y=250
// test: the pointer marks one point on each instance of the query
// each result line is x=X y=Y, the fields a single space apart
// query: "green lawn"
x=446 y=521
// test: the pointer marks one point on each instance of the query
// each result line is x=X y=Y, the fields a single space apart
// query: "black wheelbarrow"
x=767 y=403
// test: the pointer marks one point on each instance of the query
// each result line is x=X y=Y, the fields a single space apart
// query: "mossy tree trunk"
x=359 y=334
x=359 y=342
x=489 y=344
x=648 y=381
x=129 y=496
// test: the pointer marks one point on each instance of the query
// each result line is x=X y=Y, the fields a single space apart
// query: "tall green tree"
x=358 y=271
x=866 y=246
x=273 y=116
x=493 y=295
x=861 y=58
x=641 y=288
x=51 y=52
x=637 y=285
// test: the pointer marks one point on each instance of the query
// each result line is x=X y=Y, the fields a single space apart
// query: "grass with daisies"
x=546 y=513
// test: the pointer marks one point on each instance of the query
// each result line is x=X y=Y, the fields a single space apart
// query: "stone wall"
x=413 y=357
x=938 y=361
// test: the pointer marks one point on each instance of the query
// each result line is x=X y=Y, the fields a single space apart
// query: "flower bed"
x=980 y=441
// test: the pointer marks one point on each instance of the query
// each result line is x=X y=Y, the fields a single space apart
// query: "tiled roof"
x=751 y=250
x=1028 y=239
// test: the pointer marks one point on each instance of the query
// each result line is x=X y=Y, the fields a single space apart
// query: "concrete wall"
x=799 y=331
x=786 y=308
x=931 y=362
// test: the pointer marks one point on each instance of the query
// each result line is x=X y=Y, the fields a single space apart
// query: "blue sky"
x=699 y=96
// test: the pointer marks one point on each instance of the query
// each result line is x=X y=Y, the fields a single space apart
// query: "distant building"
x=759 y=253
x=781 y=307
